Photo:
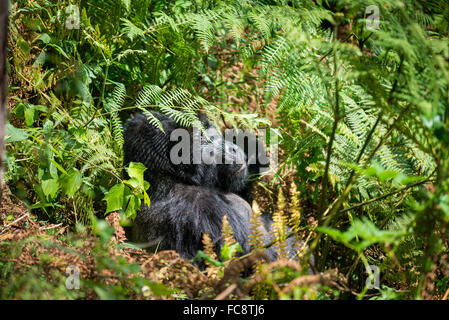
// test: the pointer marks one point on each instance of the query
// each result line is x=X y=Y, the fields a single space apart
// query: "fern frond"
x=227 y=232
x=149 y=95
x=131 y=30
x=274 y=53
x=262 y=24
x=236 y=25
x=115 y=103
x=280 y=223
x=256 y=237
x=295 y=210
x=208 y=247
x=204 y=30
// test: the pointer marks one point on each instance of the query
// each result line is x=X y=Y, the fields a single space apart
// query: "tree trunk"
x=4 y=6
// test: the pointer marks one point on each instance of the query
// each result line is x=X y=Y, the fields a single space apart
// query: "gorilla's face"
x=186 y=153
x=228 y=158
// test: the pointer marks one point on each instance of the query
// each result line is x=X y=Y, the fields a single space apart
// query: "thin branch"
x=24 y=215
x=362 y=204
x=336 y=110
x=102 y=94
x=226 y=292
x=4 y=4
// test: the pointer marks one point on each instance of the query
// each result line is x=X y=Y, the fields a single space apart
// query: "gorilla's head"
x=257 y=161
x=230 y=160
x=192 y=155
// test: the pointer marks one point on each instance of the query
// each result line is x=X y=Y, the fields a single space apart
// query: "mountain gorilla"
x=189 y=198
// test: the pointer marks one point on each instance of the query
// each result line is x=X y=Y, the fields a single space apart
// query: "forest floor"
x=51 y=248
x=54 y=254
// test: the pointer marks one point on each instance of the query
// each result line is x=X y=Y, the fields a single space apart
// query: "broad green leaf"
x=50 y=187
x=44 y=37
x=71 y=182
x=132 y=206
x=114 y=198
x=146 y=198
x=29 y=114
x=15 y=134
x=57 y=165
x=133 y=183
x=228 y=252
x=24 y=47
x=136 y=170
x=53 y=170
x=29 y=111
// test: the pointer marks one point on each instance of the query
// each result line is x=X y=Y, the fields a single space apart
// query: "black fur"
x=188 y=200
x=257 y=162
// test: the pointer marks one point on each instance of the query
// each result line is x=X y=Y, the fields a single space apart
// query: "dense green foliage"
x=362 y=115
